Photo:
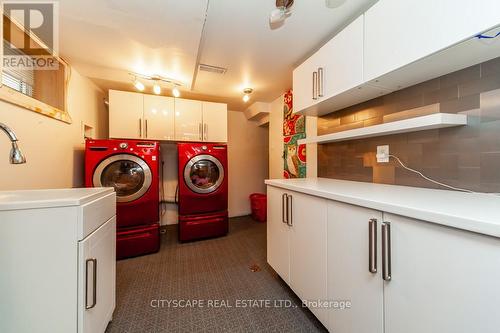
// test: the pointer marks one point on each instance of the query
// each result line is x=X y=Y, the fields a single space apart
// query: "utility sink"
x=25 y=199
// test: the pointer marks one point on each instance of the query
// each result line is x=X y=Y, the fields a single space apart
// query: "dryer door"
x=203 y=174
x=128 y=174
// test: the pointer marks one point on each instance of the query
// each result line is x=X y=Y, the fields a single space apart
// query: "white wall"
x=248 y=155
x=247 y=164
x=54 y=150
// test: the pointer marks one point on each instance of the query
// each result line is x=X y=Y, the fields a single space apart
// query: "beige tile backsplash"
x=467 y=156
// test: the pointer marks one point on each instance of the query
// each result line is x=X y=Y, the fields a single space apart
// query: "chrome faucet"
x=16 y=156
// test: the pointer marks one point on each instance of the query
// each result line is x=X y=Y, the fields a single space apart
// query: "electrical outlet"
x=383 y=154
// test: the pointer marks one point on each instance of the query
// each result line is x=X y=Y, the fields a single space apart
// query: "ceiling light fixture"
x=334 y=3
x=176 y=92
x=157 y=80
x=138 y=85
x=247 y=92
x=157 y=89
x=280 y=13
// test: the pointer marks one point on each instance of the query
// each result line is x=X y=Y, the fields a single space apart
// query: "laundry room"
x=249 y=166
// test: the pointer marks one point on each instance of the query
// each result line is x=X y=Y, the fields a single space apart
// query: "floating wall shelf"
x=433 y=121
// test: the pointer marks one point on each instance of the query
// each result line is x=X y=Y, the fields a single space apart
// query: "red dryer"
x=203 y=190
x=132 y=168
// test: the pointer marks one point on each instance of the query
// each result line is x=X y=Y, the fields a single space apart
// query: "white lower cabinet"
x=307 y=219
x=278 y=244
x=354 y=269
x=296 y=233
x=399 y=274
x=442 y=279
x=96 y=280
x=57 y=261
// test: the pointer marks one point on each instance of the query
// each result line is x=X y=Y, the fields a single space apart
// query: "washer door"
x=203 y=174
x=128 y=174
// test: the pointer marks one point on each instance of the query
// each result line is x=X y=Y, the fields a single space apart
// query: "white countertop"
x=28 y=199
x=473 y=212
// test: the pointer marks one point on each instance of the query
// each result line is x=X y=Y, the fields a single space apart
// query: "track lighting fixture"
x=157 y=80
x=176 y=92
x=138 y=85
x=157 y=89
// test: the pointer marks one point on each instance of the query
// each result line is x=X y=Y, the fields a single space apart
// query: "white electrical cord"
x=435 y=181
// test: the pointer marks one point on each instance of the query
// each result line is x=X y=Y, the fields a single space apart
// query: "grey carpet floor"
x=215 y=270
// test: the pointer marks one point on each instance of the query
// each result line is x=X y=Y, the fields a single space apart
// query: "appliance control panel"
x=123 y=145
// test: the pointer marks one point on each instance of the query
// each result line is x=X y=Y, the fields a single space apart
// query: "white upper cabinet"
x=393 y=45
x=142 y=116
x=335 y=68
x=341 y=60
x=188 y=120
x=214 y=122
x=304 y=84
x=159 y=118
x=398 y=32
x=125 y=115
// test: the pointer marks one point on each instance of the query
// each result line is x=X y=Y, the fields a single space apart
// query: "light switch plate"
x=383 y=154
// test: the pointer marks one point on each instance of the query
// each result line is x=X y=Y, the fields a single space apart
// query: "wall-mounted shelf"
x=433 y=121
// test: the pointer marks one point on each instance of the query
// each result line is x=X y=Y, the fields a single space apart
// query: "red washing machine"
x=132 y=168
x=203 y=190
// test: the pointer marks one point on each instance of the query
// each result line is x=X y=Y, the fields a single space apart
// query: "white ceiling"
x=107 y=39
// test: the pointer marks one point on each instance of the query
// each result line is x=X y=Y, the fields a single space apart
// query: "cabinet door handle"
x=140 y=127
x=320 y=81
x=386 y=251
x=289 y=216
x=315 y=82
x=94 y=283
x=205 y=131
x=284 y=200
x=146 y=128
x=200 y=132
x=372 y=246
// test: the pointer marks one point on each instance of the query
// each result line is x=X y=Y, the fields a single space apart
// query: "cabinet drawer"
x=94 y=214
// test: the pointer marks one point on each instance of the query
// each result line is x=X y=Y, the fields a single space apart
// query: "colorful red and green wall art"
x=294 y=129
